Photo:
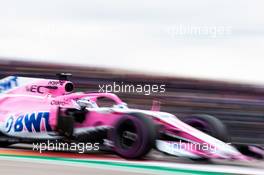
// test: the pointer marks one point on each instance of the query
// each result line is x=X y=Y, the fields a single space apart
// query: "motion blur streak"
x=239 y=106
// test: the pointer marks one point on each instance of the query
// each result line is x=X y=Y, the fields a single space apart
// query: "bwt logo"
x=8 y=83
x=32 y=122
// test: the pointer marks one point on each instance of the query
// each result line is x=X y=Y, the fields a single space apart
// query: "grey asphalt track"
x=18 y=167
x=46 y=165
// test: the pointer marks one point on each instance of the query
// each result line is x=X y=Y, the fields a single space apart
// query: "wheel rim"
x=128 y=134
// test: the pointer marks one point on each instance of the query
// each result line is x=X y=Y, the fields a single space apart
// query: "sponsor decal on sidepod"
x=32 y=122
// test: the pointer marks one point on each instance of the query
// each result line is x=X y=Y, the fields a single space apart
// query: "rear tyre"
x=5 y=140
x=133 y=136
x=5 y=144
x=65 y=124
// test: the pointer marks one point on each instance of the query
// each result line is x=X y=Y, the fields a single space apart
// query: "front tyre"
x=133 y=136
x=209 y=125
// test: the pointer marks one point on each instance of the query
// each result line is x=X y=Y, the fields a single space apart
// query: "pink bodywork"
x=34 y=97
x=44 y=95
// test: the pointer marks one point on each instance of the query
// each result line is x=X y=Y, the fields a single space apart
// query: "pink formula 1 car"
x=37 y=110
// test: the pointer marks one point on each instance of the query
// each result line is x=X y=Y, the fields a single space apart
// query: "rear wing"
x=35 y=86
x=8 y=83
x=13 y=82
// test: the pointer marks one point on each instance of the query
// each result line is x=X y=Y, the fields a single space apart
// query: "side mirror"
x=155 y=105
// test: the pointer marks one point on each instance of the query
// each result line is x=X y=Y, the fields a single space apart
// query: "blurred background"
x=239 y=105
x=153 y=36
x=209 y=54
